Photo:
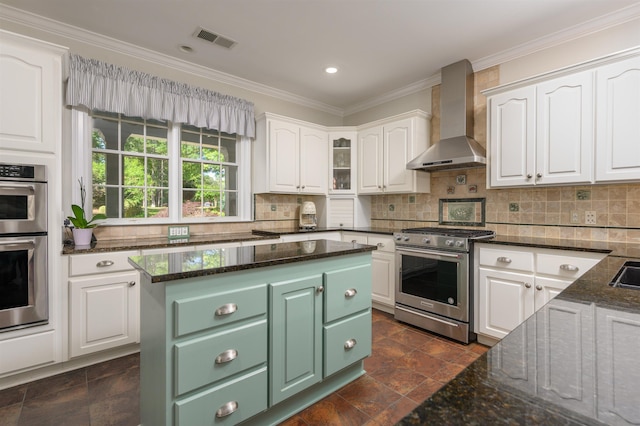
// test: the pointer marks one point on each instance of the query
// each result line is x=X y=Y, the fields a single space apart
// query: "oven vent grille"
x=214 y=38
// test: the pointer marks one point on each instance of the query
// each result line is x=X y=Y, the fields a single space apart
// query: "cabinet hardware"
x=350 y=293
x=380 y=245
x=227 y=356
x=567 y=267
x=354 y=241
x=227 y=309
x=538 y=287
x=529 y=176
x=104 y=263
x=228 y=408
x=539 y=175
x=503 y=259
x=350 y=344
x=527 y=285
x=132 y=283
x=320 y=289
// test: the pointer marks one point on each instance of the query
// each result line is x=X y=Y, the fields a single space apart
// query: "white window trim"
x=81 y=167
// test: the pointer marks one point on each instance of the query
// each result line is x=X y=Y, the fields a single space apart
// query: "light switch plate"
x=178 y=231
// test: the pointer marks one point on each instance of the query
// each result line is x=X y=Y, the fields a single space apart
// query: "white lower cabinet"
x=383 y=286
x=514 y=282
x=104 y=302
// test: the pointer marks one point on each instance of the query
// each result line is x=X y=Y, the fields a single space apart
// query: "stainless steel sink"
x=628 y=276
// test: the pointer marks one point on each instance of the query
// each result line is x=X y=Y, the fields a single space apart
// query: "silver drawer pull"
x=227 y=309
x=503 y=259
x=350 y=293
x=567 y=267
x=227 y=356
x=350 y=344
x=104 y=263
x=228 y=408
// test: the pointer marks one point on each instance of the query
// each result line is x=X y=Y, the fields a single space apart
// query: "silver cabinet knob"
x=350 y=293
x=132 y=283
x=227 y=356
x=527 y=285
x=538 y=287
x=529 y=176
x=226 y=309
x=226 y=409
x=570 y=268
x=503 y=259
x=350 y=344
x=354 y=241
x=320 y=289
x=104 y=263
x=539 y=175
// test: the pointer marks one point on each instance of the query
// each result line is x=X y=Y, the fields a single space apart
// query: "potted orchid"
x=83 y=228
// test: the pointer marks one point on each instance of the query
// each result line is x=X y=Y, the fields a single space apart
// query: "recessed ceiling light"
x=186 y=49
x=331 y=70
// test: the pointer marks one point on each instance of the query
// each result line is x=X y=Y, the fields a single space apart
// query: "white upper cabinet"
x=543 y=134
x=342 y=161
x=384 y=149
x=31 y=94
x=290 y=157
x=577 y=128
x=618 y=121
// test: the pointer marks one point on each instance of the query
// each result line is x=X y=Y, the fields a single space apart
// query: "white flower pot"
x=82 y=237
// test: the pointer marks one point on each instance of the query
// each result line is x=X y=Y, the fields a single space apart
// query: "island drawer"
x=239 y=399
x=208 y=359
x=511 y=259
x=347 y=291
x=346 y=342
x=100 y=263
x=217 y=309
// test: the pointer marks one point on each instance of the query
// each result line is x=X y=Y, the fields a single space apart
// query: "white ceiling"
x=379 y=46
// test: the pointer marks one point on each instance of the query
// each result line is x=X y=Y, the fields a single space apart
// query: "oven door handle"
x=437 y=253
x=20 y=190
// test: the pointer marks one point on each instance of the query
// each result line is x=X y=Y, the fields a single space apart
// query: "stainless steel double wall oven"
x=434 y=288
x=24 y=298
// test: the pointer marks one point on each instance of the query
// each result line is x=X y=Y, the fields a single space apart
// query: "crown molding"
x=68 y=31
x=54 y=27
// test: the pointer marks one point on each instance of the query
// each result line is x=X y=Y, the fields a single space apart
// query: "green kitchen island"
x=253 y=334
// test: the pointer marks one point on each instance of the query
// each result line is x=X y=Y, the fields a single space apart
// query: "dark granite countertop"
x=203 y=239
x=566 y=348
x=614 y=248
x=174 y=266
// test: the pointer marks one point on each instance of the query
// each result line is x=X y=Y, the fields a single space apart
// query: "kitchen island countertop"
x=165 y=267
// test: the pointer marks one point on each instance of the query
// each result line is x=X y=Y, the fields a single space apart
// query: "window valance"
x=101 y=86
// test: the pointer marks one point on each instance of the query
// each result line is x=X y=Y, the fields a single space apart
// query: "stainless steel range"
x=434 y=288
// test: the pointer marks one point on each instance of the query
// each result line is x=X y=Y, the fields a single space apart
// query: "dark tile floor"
x=407 y=365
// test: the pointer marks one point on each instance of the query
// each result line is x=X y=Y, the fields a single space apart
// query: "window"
x=157 y=172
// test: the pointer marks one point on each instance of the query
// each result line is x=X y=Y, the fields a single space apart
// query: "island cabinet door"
x=295 y=324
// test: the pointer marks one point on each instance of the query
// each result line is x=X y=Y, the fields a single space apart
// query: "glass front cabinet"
x=343 y=162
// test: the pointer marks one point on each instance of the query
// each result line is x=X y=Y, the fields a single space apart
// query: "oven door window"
x=14 y=279
x=14 y=207
x=431 y=279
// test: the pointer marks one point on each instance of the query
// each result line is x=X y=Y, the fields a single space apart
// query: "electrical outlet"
x=590 y=217
x=574 y=217
x=178 y=231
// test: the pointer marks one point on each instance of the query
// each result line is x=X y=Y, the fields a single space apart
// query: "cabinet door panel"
x=346 y=342
x=512 y=137
x=505 y=301
x=564 y=138
x=618 y=127
x=295 y=360
x=314 y=161
x=370 y=161
x=104 y=312
x=284 y=166
x=397 y=153
x=384 y=278
x=347 y=291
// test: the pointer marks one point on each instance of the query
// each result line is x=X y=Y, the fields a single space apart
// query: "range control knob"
x=426 y=240
x=406 y=238
x=448 y=243
x=398 y=237
x=459 y=243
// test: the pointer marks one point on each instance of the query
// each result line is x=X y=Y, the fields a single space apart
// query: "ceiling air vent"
x=214 y=38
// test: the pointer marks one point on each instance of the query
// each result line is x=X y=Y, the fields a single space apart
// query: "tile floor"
x=407 y=365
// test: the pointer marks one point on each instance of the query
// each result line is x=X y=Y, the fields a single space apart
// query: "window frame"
x=82 y=167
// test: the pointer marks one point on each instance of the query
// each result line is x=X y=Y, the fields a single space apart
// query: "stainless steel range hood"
x=456 y=149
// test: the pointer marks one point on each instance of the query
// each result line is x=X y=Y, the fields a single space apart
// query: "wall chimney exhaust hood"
x=456 y=149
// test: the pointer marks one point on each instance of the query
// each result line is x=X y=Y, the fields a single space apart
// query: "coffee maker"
x=308 y=219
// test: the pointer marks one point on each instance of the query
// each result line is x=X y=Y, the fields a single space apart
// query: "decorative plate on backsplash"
x=462 y=211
